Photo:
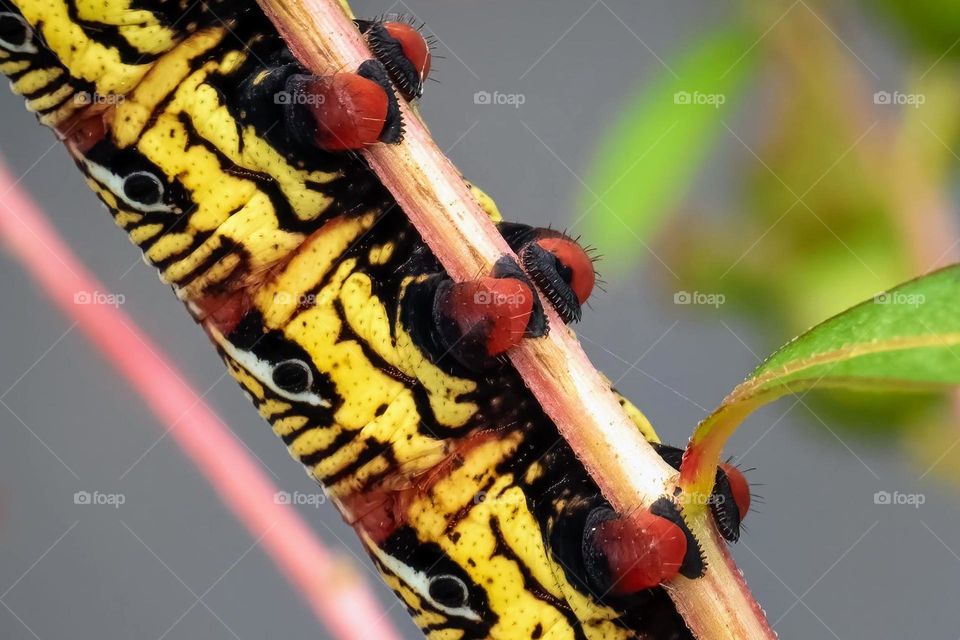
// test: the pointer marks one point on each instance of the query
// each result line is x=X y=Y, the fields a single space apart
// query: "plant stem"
x=578 y=399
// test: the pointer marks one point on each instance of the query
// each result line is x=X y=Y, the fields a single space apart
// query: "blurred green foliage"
x=650 y=155
x=932 y=26
x=836 y=191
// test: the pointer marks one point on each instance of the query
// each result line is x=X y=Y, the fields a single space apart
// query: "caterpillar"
x=236 y=172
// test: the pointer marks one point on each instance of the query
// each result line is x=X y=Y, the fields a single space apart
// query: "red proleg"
x=739 y=487
x=642 y=551
x=499 y=306
x=350 y=111
x=572 y=256
x=415 y=48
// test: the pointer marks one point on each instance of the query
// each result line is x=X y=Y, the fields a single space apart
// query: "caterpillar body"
x=234 y=170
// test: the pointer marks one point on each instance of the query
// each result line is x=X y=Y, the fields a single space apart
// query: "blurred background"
x=746 y=168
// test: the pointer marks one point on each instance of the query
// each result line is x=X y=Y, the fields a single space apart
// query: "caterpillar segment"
x=64 y=56
x=233 y=169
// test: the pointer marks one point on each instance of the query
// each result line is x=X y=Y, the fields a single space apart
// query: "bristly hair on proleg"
x=406 y=53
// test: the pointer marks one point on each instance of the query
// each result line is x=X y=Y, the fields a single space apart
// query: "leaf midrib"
x=756 y=385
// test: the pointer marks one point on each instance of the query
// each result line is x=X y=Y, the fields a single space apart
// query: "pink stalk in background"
x=338 y=596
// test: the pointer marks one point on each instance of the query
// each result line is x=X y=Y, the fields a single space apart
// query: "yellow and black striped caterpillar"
x=234 y=170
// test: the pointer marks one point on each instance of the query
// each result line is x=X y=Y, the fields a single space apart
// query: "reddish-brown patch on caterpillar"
x=380 y=511
x=377 y=513
x=222 y=312
x=83 y=132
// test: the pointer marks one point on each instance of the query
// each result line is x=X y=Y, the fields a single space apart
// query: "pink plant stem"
x=331 y=586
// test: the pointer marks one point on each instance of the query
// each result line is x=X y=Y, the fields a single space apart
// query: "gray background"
x=824 y=560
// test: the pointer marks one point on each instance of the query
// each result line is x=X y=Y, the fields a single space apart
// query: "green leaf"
x=652 y=152
x=905 y=339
